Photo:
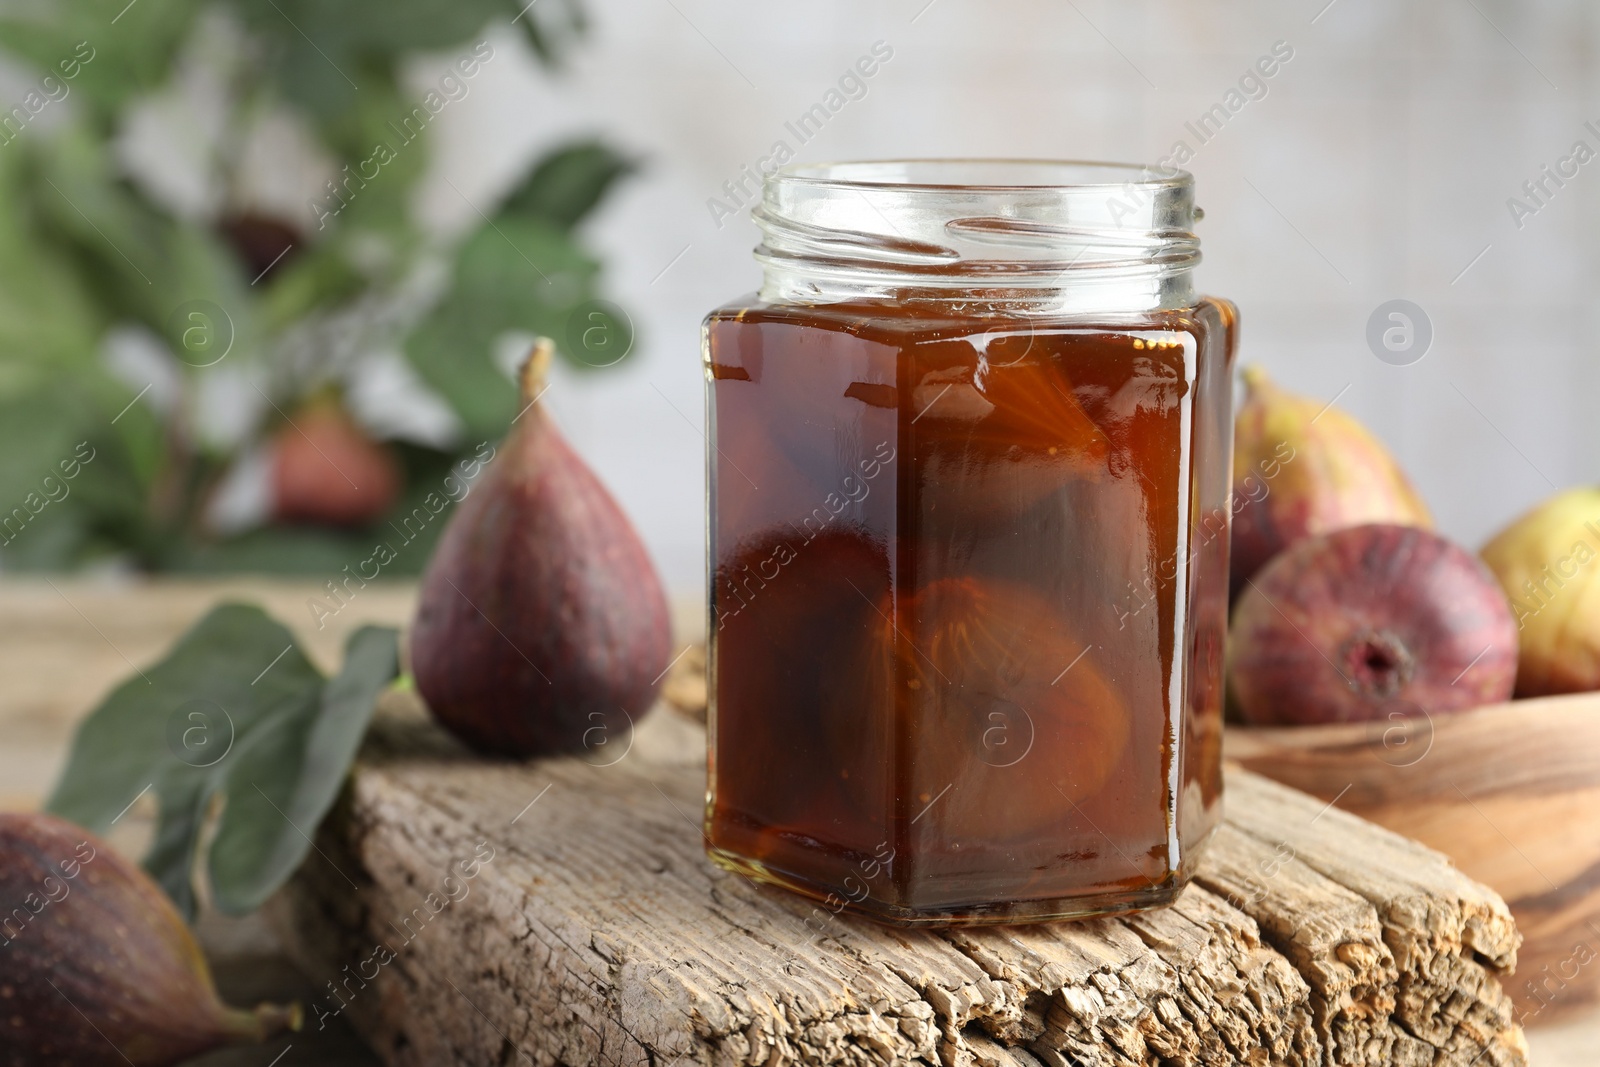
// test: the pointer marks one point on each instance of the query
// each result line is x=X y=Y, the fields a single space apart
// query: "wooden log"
x=562 y=913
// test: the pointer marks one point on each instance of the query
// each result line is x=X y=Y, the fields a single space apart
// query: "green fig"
x=1302 y=467
x=96 y=966
x=1545 y=561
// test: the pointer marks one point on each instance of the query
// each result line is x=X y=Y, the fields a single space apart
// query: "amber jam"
x=968 y=556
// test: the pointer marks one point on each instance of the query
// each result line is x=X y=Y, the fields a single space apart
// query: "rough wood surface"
x=599 y=934
x=1507 y=791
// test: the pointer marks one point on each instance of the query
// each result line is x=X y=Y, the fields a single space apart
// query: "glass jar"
x=968 y=518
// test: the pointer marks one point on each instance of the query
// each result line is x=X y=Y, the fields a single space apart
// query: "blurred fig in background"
x=1303 y=467
x=541 y=625
x=327 y=471
x=1365 y=622
x=263 y=242
x=96 y=967
x=1546 y=563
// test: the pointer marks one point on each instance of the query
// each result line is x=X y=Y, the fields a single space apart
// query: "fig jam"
x=968 y=599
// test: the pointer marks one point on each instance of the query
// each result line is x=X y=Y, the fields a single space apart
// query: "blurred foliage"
x=90 y=250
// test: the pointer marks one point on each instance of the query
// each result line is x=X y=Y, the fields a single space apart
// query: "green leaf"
x=550 y=27
x=235 y=716
x=514 y=274
x=274 y=550
x=383 y=26
x=48 y=319
x=50 y=443
x=171 y=859
x=142 y=263
x=328 y=56
x=568 y=183
x=294 y=775
x=38 y=429
x=104 y=51
x=320 y=276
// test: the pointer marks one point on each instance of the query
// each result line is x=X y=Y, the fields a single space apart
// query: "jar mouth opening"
x=1078 y=233
x=979 y=175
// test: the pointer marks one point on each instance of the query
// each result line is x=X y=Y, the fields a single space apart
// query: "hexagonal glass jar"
x=968 y=486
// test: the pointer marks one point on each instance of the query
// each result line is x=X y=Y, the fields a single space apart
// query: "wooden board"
x=599 y=934
x=61 y=649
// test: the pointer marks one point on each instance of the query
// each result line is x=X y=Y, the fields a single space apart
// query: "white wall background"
x=1378 y=166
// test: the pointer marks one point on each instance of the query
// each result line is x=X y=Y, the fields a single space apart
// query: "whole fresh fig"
x=326 y=470
x=96 y=967
x=542 y=626
x=1368 y=621
x=1302 y=467
x=1546 y=564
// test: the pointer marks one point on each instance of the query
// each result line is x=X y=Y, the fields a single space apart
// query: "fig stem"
x=262 y=1022
x=536 y=368
x=1255 y=378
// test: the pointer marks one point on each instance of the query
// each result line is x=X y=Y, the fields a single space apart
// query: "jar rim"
x=897 y=174
x=1062 y=234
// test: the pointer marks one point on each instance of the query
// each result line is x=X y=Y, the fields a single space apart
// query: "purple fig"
x=1301 y=468
x=542 y=626
x=326 y=470
x=262 y=241
x=96 y=967
x=1368 y=621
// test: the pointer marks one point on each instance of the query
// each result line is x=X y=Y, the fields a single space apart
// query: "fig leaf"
x=517 y=274
x=569 y=182
x=234 y=718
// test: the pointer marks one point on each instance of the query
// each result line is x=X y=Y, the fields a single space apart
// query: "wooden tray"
x=1510 y=792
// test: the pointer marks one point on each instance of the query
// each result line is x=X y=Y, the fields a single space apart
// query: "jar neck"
x=1015 y=234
